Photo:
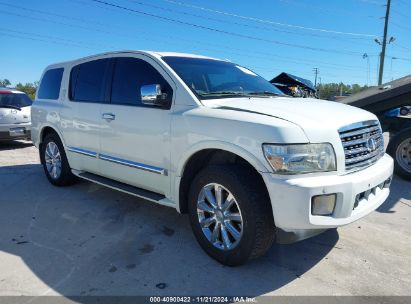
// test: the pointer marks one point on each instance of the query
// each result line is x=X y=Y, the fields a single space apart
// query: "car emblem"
x=371 y=144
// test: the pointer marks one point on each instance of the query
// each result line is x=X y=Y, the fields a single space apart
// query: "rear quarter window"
x=50 y=84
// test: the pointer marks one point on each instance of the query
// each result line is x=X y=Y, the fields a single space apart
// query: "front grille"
x=363 y=144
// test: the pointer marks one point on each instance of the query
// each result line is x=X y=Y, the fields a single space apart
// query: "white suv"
x=213 y=139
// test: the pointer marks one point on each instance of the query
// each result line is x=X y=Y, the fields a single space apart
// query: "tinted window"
x=129 y=75
x=17 y=100
x=50 y=84
x=87 y=81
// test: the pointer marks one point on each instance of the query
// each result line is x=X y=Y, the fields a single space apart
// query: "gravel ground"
x=90 y=240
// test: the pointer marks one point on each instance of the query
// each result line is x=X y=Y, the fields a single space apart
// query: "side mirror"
x=151 y=95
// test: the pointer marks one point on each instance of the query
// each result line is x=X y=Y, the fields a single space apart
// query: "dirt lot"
x=90 y=240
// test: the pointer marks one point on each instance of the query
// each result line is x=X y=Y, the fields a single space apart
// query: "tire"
x=399 y=148
x=251 y=202
x=63 y=176
x=404 y=111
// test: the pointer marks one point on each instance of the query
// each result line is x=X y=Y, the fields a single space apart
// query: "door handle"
x=109 y=116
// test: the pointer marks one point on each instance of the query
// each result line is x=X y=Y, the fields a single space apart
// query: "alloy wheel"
x=52 y=158
x=219 y=216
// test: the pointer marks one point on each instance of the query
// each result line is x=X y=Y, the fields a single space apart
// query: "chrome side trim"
x=82 y=151
x=131 y=164
x=120 y=161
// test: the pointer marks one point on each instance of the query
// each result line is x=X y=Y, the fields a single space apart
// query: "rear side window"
x=87 y=81
x=50 y=84
x=130 y=74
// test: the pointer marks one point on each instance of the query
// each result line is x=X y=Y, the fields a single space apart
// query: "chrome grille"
x=363 y=144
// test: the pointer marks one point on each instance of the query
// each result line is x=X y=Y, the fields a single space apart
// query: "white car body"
x=15 y=123
x=151 y=149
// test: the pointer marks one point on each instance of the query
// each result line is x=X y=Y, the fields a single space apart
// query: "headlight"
x=300 y=158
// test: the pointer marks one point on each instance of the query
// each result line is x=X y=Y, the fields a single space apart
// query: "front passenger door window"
x=130 y=74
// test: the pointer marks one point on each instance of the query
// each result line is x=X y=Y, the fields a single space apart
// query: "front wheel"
x=399 y=148
x=230 y=214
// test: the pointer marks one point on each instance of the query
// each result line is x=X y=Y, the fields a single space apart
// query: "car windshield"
x=209 y=78
x=14 y=100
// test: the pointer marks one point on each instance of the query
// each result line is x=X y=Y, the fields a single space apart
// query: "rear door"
x=135 y=138
x=81 y=119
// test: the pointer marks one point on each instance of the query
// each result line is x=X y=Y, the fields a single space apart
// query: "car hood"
x=307 y=113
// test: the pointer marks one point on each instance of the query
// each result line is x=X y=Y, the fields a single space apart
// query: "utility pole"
x=316 y=72
x=384 y=43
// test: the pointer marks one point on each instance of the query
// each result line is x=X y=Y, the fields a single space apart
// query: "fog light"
x=323 y=204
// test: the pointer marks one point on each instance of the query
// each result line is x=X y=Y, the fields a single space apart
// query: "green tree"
x=330 y=90
x=4 y=82
x=28 y=88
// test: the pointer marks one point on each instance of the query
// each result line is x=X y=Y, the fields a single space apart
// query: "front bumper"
x=15 y=131
x=291 y=199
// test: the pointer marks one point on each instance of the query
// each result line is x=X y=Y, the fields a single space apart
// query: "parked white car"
x=15 y=122
x=213 y=139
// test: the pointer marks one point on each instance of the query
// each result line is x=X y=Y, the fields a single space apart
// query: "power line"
x=401 y=14
x=189 y=14
x=195 y=25
x=404 y=3
x=174 y=38
x=403 y=47
x=401 y=26
x=83 y=45
x=219 y=47
x=326 y=10
x=54 y=38
x=44 y=40
x=270 y=22
x=247 y=25
x=372 y=2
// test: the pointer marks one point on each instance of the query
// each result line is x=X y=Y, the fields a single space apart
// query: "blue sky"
x=268 y=36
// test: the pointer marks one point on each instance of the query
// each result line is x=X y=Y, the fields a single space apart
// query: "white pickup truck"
x=212 y=139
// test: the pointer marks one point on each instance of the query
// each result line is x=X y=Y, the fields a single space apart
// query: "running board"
x=135 y=191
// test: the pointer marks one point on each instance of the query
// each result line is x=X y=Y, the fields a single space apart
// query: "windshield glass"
x=15 y=100
x=209 y=78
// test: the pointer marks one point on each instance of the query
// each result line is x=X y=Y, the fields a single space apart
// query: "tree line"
x=328 y=91
x=28 y=88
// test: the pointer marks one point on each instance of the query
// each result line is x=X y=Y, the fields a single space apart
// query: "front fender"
x=220 y=145
x=225 y=146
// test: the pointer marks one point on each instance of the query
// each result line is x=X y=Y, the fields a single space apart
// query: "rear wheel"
x=54 y=161
x=230 y=214
x=399 y=148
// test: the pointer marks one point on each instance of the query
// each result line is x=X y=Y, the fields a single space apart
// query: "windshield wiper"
x=222 y=93
x=10 y=107
x=265 y=93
